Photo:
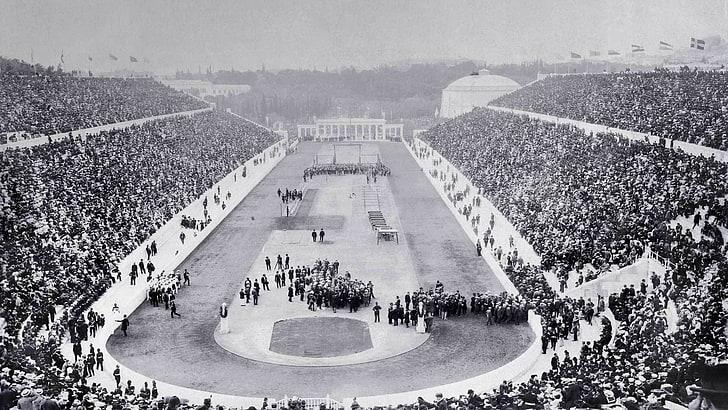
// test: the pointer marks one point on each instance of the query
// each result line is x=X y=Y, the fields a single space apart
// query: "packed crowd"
x=578 y=199
x=689 y=106
x=50 y=104
x=595 y=199
x=72 y=209
x=370 y=170
x=322 y=286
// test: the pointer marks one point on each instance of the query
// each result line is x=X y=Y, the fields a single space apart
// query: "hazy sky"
x=299 y=33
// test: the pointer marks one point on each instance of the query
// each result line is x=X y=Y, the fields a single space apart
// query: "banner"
x=665 y=46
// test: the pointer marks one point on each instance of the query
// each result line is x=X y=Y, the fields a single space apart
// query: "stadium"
x=536 y=232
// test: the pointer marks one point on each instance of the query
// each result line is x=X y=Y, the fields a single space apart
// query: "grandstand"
x=684 y=105
x=56 y=104
x=556 y=245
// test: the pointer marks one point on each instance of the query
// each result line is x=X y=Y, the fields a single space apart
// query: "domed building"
x=475 y=90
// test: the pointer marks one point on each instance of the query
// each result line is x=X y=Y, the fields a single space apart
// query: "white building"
x=203 y=89
x=475 y=90
x=351 y=129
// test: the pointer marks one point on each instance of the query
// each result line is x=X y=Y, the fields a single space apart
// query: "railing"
x=663 y=261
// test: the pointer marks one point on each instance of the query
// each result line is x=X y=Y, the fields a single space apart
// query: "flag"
x=697 y=43
x=665 y=46
x=575 y=55
x=90 y=59
x=613 y=52
x=637 y=48
x=133 y=59
x=113 y=57
x=62 y=62
x=594 y=53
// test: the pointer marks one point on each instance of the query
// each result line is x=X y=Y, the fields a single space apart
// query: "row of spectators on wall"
x=684 y=105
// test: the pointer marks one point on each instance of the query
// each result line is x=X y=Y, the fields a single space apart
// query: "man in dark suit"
x=376 y=310
x=256 y=292
x=117 y=375
x=290 y=293
x=474 y=399
x=124 y=324
x=248 y=286
x=441 y=403
x=321 y=235
x=314 y=235
x=99 y=360
x=173 y=310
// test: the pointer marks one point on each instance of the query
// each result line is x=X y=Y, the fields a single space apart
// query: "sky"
x=179 y=34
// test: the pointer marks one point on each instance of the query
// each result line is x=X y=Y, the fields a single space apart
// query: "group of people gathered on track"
x=372 y=170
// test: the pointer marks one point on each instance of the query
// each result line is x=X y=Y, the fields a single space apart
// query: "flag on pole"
x=113 y=57
x=637 y=48
x=575 y=55
x=613 y=53
x=594 y=53
x=697 y=43
x=665 y=46
x=133 y=59
x=62 y=62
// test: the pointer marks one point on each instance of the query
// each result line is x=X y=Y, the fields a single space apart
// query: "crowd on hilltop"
x=689 y=106
x=598 y=199
x=50 y=104
x=72 y=209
